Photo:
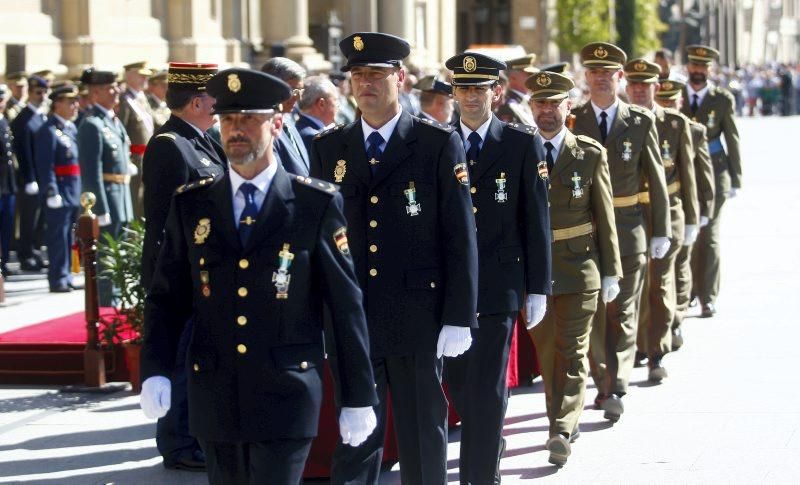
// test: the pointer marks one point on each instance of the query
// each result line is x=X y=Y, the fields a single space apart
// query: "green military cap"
x=557 y=67
x=642 y=71
x=549 y=85
x=18 y=78
x=521 y=63
x=140 y=67
x=670 y=89
x=46 y=74
x=65 y=90
x=432 y=85
x=603 y=55
x=159 y=76
x=474 y=69
x=701 y=54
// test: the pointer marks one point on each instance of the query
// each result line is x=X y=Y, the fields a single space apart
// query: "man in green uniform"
x=629 y=135
x=585 y=257
x=658 y=299
x=515 y=109
x=713 y=107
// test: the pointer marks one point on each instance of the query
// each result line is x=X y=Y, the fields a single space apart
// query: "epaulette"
x=642 y=111
x=677 y=114
x=328 y=131
x=589 y=141
x=196 y=184
x=167 y=135
x=436 y=124
x=317 y=184
x=523 y=128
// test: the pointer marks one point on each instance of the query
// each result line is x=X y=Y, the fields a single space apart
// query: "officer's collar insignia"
x=340 y=171
x=470 y=64
x=600 y=53
x=543 y=173
x=202 y=230
x=543 y=80
x=577 y=152
x=205 y=161
x=637 y=120
x=358 y=43
x=234 y=83
x=461 y=173
x=674 y=124
x=340 y=239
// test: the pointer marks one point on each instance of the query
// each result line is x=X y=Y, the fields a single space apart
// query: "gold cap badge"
x=640 y=66
x=358 y=43
x=600 y=53
x=543 y=80
x=234 y=84
x=470 y=64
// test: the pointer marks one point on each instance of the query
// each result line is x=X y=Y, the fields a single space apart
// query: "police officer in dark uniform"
x=59 y=177
x=8 y=187
x=405 y=184
x=509 y=199
x=178 y=153
x=253 y=254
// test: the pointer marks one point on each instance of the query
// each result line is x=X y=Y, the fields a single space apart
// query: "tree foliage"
x=580 y=22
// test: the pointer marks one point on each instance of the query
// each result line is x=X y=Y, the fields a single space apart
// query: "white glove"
x=133 y=170
x=356 y=424
x=453 y=341
x=609 y=288
x=535 y=307
x=690 y=234
x=104 y=220
x=32 y=188
x=156 y=397
x=733 y=192
x=704 y=220
x=659 y=247
x=55 y=202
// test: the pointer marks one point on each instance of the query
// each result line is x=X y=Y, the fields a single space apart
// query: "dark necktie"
x=695 y=103
x=250 y=212
x=474 y=140
x=374 y=152
x=603 y=126
x=549 y=157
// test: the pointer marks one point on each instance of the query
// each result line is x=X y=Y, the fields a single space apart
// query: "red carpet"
x=69 y=329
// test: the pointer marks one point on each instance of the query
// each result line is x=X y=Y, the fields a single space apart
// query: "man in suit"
x=105 y=148
x=586 y=261
x=59 y=178
x=31 y=220
x=669 y=95
x=629 y=136
x=289 y=145
x=318 y=105
x=714 y=107
x=18 y=85
x=516 y=109
x=257 y=350
x=436 y=100
x=412 y=235
x=137 y=118
x=8 y=186
x=179 y=153
x=156 y=92
x=513 y=228
x=658 y=299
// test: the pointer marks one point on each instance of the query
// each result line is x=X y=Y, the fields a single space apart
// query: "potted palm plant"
x=121 y=260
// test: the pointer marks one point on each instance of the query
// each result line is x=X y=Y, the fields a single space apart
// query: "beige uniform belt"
x=117 y=178
x=574 y=231
x=673 y=188
x=627 y=201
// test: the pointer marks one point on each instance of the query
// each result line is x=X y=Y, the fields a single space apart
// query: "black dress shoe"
x=190 y=461
x=657 y=371
x=598 y=401
x=708 y=310
x=30 y=264
x=613 y=408
x=6 y=272
x=60 y=289
x=639 y=359
x=677 y=339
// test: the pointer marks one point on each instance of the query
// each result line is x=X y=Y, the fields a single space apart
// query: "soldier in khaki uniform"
x=136 y=117
x=515 y=109
x=669 y=96
x=713 y=107
x=156 y=93
x=658 y=298
x=18 y=85
x=629 y=135
x=585 y=257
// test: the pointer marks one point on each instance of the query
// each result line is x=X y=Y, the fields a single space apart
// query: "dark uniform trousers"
x=514 y=258
x=263 y=462
x=411 y=234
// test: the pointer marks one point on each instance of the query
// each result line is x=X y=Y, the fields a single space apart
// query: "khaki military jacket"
x=136 y=117
x=159 y=109
x=515 y=110
x=580 y=196
x=703 y=168
x=633 y=156
x=716 y=113
x=13 y=108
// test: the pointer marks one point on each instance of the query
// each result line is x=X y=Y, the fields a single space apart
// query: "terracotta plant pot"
x=132 y=357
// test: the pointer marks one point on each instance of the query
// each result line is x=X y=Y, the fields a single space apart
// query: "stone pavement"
x=728 y=413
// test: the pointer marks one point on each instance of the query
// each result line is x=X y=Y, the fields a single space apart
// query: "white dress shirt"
x=481 y=131
x=386 y=130
x=262 y=181
x=701 y=94
x=557 y=142
x=611 y=111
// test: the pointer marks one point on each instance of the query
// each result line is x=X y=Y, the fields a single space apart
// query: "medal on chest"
x=413 y=208
x=711 y=119
x=577 y=191
x=281 y=277
x=666 y=156
x=339 y=171
x=627 y=153
x=501 y=196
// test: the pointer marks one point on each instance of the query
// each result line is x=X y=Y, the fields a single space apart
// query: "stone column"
x=447 y=26
x=24 y=23
x=286 y=22
x=358 y=15
x=194 y=31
